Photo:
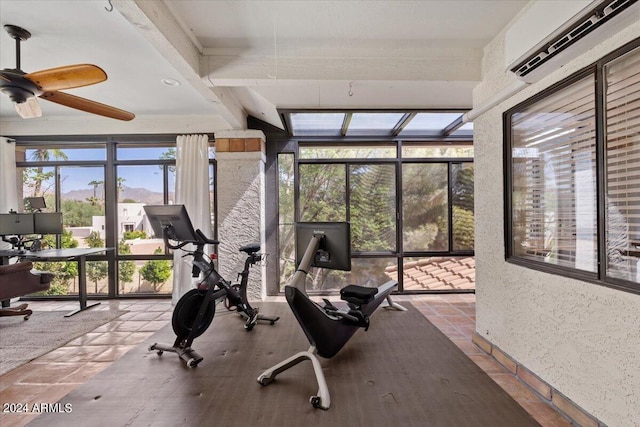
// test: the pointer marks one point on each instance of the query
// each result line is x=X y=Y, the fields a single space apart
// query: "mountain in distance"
x=138 y=195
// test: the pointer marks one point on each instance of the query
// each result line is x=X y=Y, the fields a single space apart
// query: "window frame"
x=110 y=143
x=293 y=147
x=600 y=276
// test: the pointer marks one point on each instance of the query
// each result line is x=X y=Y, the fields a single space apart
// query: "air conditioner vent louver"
x=592 y=20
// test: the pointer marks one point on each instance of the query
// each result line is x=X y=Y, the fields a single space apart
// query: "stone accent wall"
x=240 y=188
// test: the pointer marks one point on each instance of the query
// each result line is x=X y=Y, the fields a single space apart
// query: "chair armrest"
x=15 y=268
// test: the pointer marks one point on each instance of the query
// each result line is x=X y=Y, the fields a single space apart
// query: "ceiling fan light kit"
x=29 y=109
x=24 y=88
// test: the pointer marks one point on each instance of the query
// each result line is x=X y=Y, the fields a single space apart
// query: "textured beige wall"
x=581 y=338
x=240 y=213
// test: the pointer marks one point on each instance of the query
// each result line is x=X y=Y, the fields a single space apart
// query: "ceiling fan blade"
x=67 y=77
x=87 y=105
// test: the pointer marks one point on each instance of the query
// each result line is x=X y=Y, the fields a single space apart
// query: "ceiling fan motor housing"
x=18 y=88
x=17 y=94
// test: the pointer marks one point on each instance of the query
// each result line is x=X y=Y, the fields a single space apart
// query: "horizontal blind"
x=553 y=149
x=622 y=103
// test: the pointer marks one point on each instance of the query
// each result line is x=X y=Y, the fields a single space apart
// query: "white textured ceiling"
x=251 y=57
x=361 y=24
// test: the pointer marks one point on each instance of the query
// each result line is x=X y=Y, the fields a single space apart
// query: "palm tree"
x=44 y=155
x=121 y=181
x=94 y=199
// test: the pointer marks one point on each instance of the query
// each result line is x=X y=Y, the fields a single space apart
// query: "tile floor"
x=51 y=376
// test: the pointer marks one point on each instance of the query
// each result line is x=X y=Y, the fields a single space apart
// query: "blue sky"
x=78 y=178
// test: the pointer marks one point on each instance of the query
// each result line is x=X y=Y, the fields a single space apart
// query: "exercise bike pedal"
x=328 y=305
x=252 y=320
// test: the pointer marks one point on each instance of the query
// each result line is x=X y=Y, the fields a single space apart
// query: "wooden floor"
x=52 y=376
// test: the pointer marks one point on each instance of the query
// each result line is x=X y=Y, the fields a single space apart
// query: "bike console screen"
x=172 y=220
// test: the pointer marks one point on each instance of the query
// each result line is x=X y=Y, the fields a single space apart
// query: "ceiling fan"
x=24 y=88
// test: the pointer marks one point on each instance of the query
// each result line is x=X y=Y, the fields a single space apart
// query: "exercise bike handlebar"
x=200 y=240
x=205 y=239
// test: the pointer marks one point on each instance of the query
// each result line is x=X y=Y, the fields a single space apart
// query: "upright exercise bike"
x=195 y=310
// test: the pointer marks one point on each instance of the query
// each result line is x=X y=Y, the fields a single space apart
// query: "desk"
x=73 y=254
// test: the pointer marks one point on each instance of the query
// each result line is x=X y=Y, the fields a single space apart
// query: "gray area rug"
x=23 y=340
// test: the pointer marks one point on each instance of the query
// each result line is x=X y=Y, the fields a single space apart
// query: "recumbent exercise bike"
x=327 y=327
x=195 y=310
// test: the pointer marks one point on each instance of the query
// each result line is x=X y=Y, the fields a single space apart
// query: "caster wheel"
x=192 y=363
x=264 y=380
x=27 y=317
x=159 y=352
x=315 y=401
x=249 y=327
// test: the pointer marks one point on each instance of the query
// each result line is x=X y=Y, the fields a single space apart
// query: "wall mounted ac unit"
x=576 y=34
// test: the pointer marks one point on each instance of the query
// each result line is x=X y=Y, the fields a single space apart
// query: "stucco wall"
x=240 y=216
x=581 y=338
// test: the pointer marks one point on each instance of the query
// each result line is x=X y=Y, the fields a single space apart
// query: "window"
x=554 y=173
x=411 y=219
x=622 y=151
x=573 y=196
x=101 y=188
x=425 y=207
x=348 y=151
x=420 y=124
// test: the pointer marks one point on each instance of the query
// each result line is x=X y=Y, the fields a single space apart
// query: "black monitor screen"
x=34 y=203
x=334 y=251
x=47 y=223
x=13 y=224
x=172 y=217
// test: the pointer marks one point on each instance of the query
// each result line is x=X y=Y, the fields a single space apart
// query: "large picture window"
x=410 y=206
x=101 y=188
x=573 y=192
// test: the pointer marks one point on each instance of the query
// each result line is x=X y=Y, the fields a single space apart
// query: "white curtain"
x=8 y=186
x=192 y=191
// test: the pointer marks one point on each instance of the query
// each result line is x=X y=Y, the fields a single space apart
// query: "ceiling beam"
x=260 y=70
x=158 y=25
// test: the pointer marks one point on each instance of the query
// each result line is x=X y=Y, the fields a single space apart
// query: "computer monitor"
x=16 y=224
x=334 y=250
x=174 y=219
x=47 y=223
x=34 y=203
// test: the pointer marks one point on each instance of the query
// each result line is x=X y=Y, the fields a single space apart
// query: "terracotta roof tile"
x=437 y=273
